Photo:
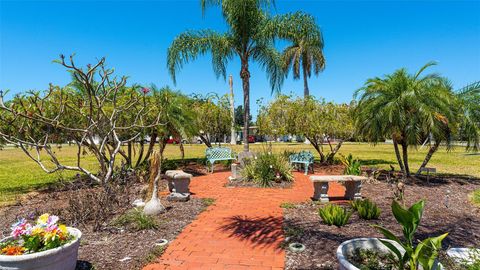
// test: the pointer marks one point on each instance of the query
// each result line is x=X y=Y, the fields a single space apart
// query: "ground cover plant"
x=366 y=259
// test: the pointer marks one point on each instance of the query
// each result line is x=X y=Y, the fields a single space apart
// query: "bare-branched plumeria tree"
x=97 y=112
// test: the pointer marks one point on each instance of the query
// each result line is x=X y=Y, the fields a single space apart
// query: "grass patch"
x=135 y=219
x=475 y=197
x=154 y=254
x=208 y=201
x=288 y=205
x=20 y=175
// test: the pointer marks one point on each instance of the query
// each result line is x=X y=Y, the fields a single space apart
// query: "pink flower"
x=145 y=90
x=20 y=228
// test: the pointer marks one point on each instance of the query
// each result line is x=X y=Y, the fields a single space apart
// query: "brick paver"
x=242 y=230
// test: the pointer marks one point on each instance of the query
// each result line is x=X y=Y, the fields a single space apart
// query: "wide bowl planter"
x=461 y=254
x=60 y=258
x=348 y=247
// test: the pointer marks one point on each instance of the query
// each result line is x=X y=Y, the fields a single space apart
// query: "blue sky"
x=362 y=39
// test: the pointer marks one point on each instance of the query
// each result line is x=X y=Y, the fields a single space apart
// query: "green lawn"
x=19 y=175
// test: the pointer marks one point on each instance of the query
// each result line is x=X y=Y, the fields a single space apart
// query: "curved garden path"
x=242 y=230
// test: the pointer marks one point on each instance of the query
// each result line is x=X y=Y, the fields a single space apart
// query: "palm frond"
x=191 y=44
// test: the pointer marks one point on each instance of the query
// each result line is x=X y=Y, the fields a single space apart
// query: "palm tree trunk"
x=245 y=75
x=429 y=155
x=306 y=91
x=405 y=158
x=399 y=158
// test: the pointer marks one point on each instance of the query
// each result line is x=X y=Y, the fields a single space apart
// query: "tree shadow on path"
x=260 y=231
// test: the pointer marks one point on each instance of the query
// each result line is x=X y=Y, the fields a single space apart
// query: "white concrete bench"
x=352 y=183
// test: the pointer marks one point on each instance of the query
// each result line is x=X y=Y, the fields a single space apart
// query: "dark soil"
x=108 y=247
x=447 y=209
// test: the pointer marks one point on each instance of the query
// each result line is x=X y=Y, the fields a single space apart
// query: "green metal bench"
x=303 y=157
x=214 y=154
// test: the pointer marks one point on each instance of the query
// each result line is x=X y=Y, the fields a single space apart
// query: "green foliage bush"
x=333 y=214
x=266 y=169
x=352 y=166
x=366 y=209
x=168 y=164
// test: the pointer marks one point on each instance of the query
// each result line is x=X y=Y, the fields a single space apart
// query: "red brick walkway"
x=242 y=230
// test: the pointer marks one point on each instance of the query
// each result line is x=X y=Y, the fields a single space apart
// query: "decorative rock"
x=178 y=197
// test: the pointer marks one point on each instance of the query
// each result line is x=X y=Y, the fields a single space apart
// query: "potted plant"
x=356 y=253
x=43 y=245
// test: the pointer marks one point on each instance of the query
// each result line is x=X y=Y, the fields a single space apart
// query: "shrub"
x=136 y=220
x=168 y=164
x=333 y=214
x=366 y=209
x=266 y=169
x=352 y=166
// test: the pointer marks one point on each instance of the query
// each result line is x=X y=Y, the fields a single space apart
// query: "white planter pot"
x=460 y=254
x=61 y=258
x=348 y=247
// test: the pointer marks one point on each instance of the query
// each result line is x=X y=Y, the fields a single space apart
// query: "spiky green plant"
x=250 y=37
x=366 y=209
x=333 y=214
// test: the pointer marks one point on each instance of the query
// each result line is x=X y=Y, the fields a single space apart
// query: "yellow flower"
x=37 y=231
x=43 y=218
x=63 y=229
x=50 y=236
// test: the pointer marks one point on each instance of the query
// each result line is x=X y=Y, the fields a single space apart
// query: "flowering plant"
x=46 y=233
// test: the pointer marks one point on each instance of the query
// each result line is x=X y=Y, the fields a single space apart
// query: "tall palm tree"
x=405 y=107
x=250 y=37
x=469 y=98
x=306 y=51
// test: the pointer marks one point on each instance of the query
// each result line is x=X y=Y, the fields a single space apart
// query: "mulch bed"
x=110 y=247
x=447 y=210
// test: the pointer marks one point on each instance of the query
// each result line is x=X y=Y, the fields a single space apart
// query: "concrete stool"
x=178 y=184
